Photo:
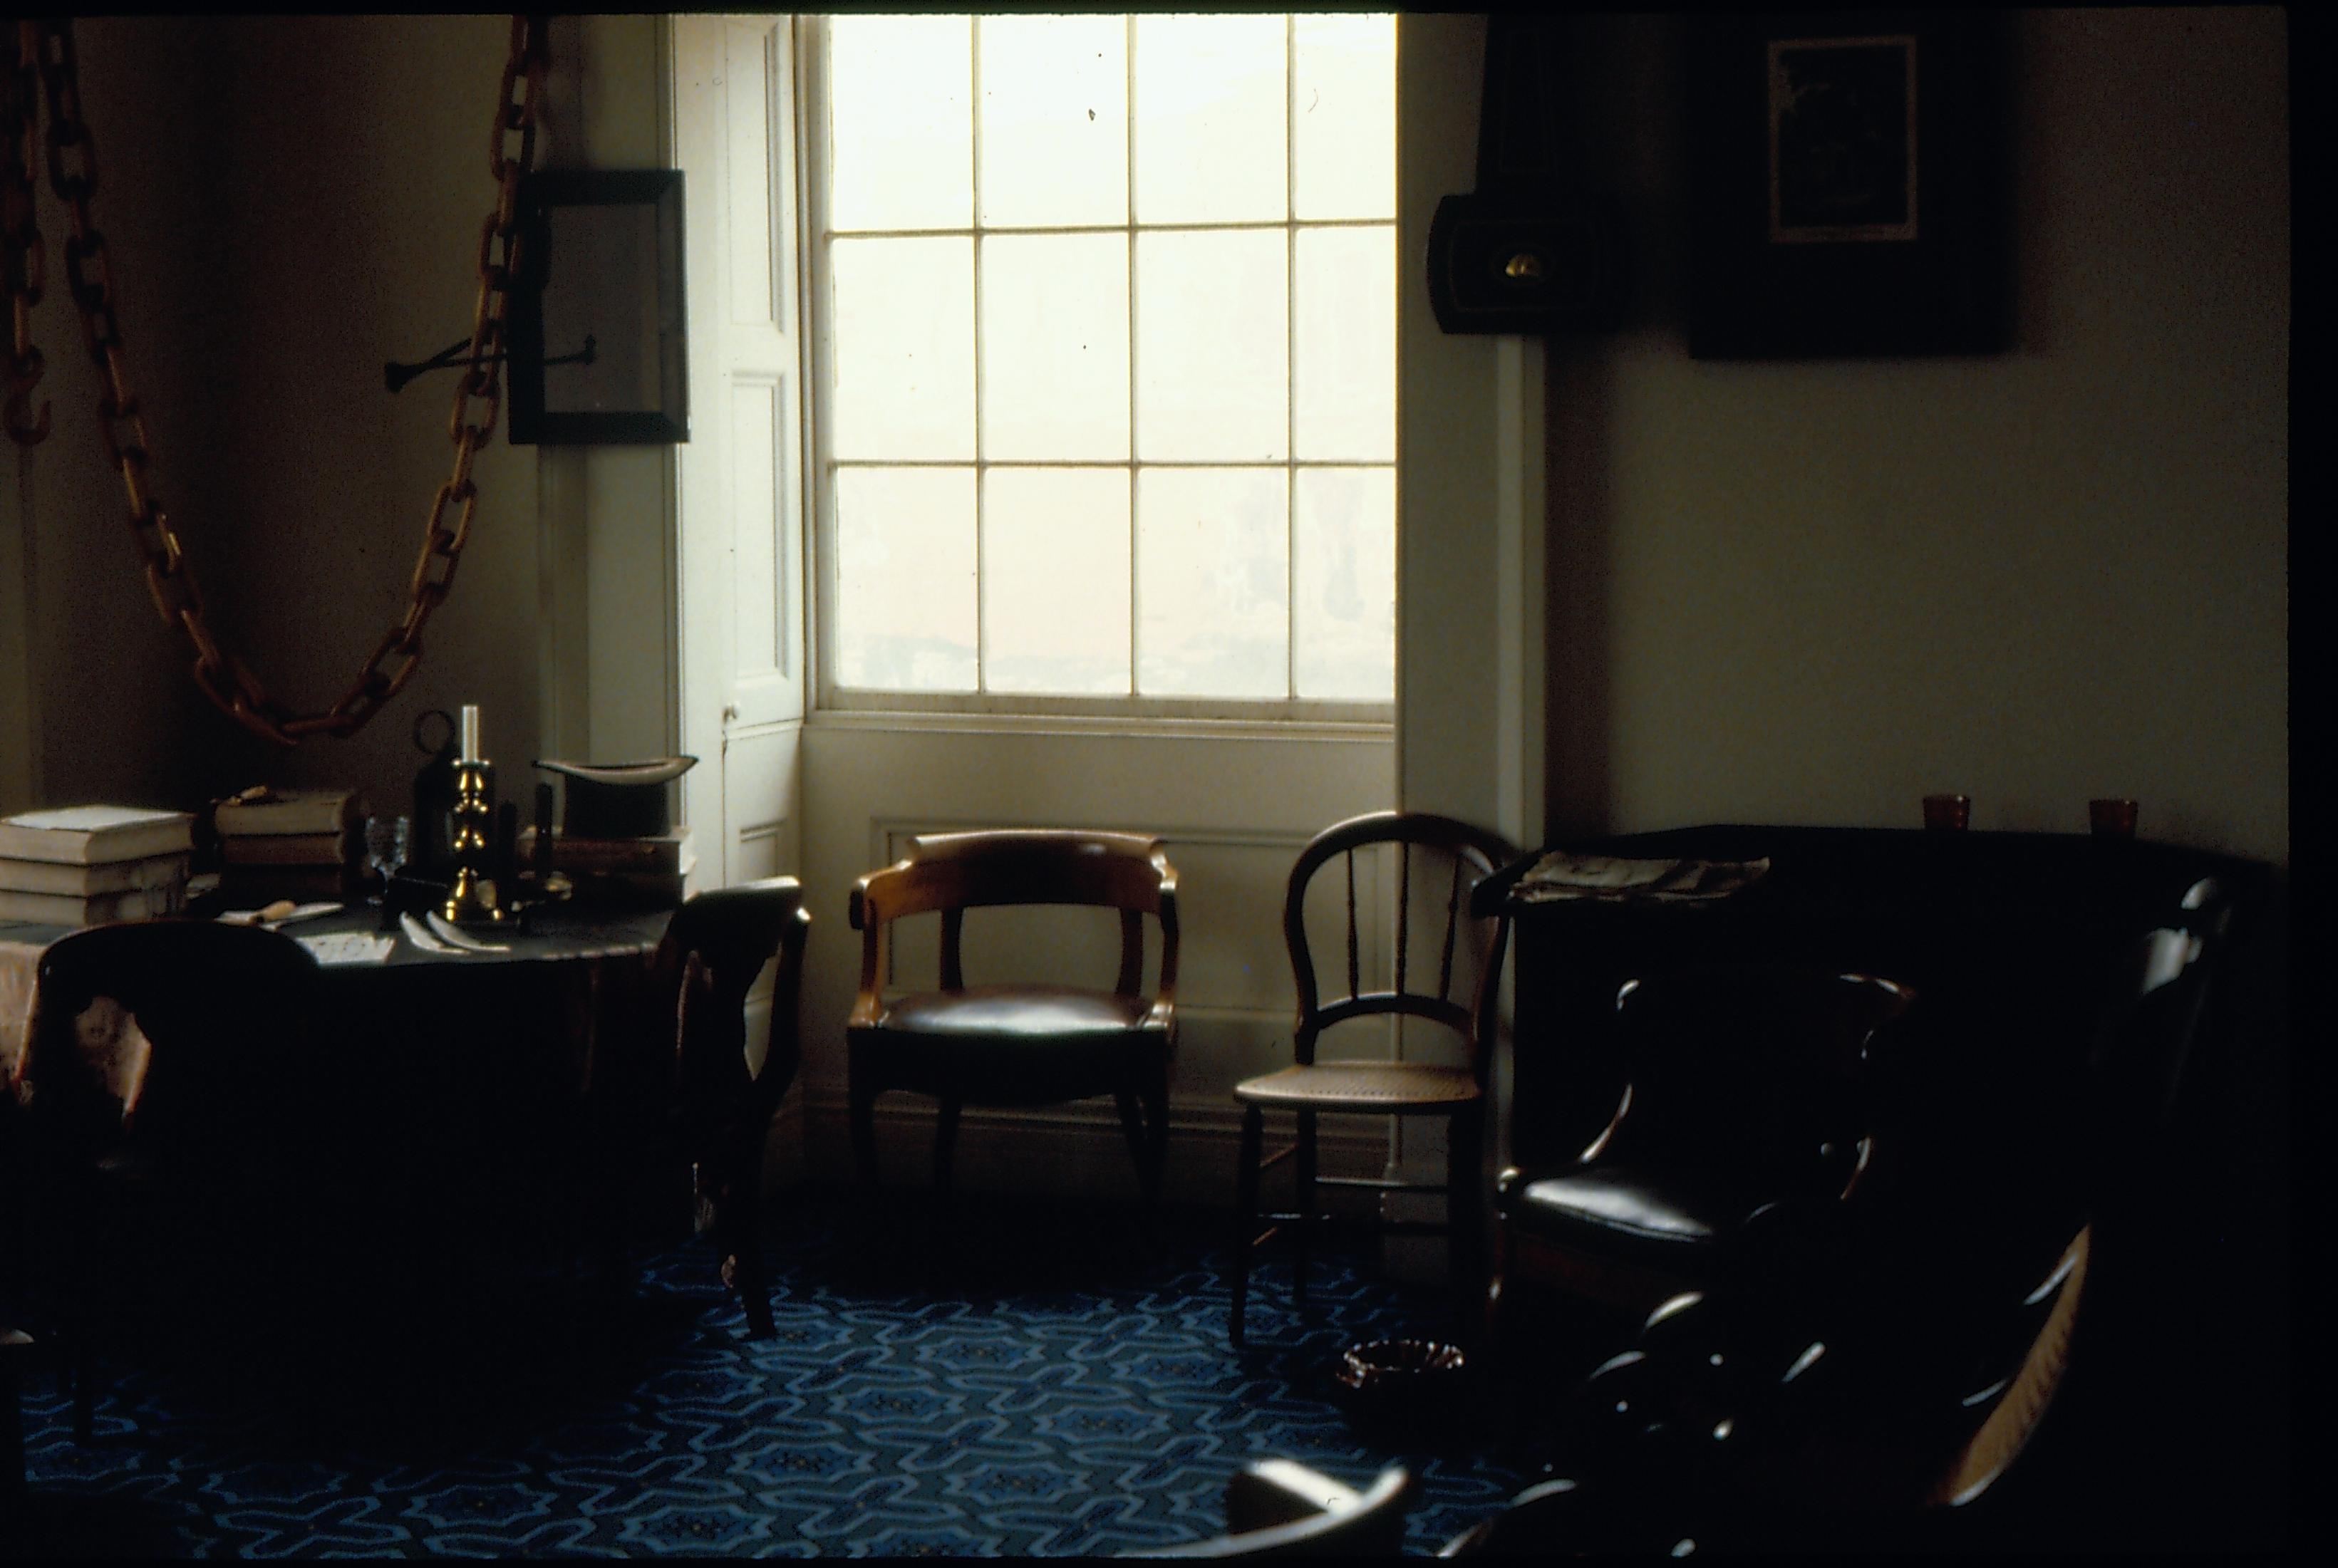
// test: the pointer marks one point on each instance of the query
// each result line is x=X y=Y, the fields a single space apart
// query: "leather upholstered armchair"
x=1749 y=1117
x=1017 y=1044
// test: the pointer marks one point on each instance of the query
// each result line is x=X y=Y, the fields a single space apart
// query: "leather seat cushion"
x=1029 y=1012
x=1365 y=1086
x=1009 y=1044
x=1620 y=1207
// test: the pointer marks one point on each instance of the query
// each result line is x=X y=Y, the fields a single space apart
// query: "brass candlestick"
x=473 y=898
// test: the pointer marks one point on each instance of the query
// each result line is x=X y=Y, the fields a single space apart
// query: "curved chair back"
x=1275 y=1508
x=951 y=873
x=1443 y=969
x=1750 y=1066
x=2153 y=1012
x=713 y=950
x=224 y=1009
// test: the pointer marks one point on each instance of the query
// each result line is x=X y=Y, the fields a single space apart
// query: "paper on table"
x=421 y=936
x=1562 y=875
x=456 y=936
x=261 y=917
x=349 y=948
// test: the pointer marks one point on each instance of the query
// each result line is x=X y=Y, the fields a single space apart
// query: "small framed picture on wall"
x=1847 y=184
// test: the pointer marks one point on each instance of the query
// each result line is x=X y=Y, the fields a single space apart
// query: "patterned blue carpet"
x=1016 y=1391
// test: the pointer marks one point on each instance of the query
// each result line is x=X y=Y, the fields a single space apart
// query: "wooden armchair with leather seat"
x=1018 y=1044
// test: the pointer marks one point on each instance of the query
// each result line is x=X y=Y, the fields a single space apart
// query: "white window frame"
x=831 y=701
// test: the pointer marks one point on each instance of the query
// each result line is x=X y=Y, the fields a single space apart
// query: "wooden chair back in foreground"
x=1016 y=1045
x=1275 y=1508
x=1442 y=970
x=723 y=1100
x=166 y=1095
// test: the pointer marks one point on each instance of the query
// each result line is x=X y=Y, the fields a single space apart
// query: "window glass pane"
x=1345 y=585
x=1210 y=119
x=1213 y=347
x=1055 y=580
x=1210 y=555
x=1054 y=346
x=905 y=579
x=1345 y=382
x=901 y=123
x=902 y=329
x=1055 y=120
x=1343 y=117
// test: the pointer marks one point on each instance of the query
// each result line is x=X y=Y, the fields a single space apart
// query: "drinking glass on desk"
x=386 y=839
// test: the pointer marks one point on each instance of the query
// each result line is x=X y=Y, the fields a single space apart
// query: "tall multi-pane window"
x=1104 y=395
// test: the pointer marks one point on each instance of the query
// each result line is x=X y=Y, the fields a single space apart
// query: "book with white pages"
x=83 y=880
x=277 y=812
x=96 y=909
x=95 y=835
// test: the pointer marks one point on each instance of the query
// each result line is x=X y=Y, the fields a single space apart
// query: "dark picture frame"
x=598 y=330
x=1848 y=191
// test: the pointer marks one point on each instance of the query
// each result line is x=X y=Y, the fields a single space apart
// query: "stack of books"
x=90 y=864
x=650 y=869
x=299 y=844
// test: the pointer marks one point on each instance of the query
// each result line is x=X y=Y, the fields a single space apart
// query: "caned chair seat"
x=1374 y=980
x=1361 y=1086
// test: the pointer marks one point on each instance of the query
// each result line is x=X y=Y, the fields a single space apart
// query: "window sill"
x=1150 y=727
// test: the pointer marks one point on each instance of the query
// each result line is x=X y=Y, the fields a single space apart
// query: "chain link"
x=23 y=258
x=43 y=57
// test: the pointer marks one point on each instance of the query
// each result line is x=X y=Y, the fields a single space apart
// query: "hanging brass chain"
x=170 y=577
x=23 y=258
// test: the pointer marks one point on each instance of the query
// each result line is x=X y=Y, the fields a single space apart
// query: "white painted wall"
x=1816 y=592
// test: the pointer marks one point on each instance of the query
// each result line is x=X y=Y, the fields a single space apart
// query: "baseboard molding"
x=1060 y=1149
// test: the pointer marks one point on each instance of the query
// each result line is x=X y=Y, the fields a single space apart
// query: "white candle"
x=470 y=732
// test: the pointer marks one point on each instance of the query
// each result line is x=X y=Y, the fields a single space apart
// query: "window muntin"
x=1105 y=407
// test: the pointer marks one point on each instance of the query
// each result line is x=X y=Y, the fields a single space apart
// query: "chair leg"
x=1253 y=1134
x=862 y=1095
x=739 y=1238
x=1144 y=1118
x=1302 y=1230
x=13 y=1344
x=1465 y=1238
x=944 y=1142
x=1140 y=1142
x=84 y=1377
x=1155 y=1094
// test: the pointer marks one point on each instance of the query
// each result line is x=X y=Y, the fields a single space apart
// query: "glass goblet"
x=385 y=842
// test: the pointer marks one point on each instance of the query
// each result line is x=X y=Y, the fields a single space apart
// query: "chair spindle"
x=1355 y=985
x=1452 y=918
x=1403 y=906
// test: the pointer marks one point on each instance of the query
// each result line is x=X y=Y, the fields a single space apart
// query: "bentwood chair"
x=1016 y=1045
x=1444 y=860
x=721 y=1101
x=160 y=1148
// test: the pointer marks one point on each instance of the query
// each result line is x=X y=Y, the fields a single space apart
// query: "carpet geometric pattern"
x=1030 y=1395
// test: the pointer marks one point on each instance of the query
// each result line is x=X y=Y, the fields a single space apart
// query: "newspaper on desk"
x=1560 y=876
x=347 y=947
